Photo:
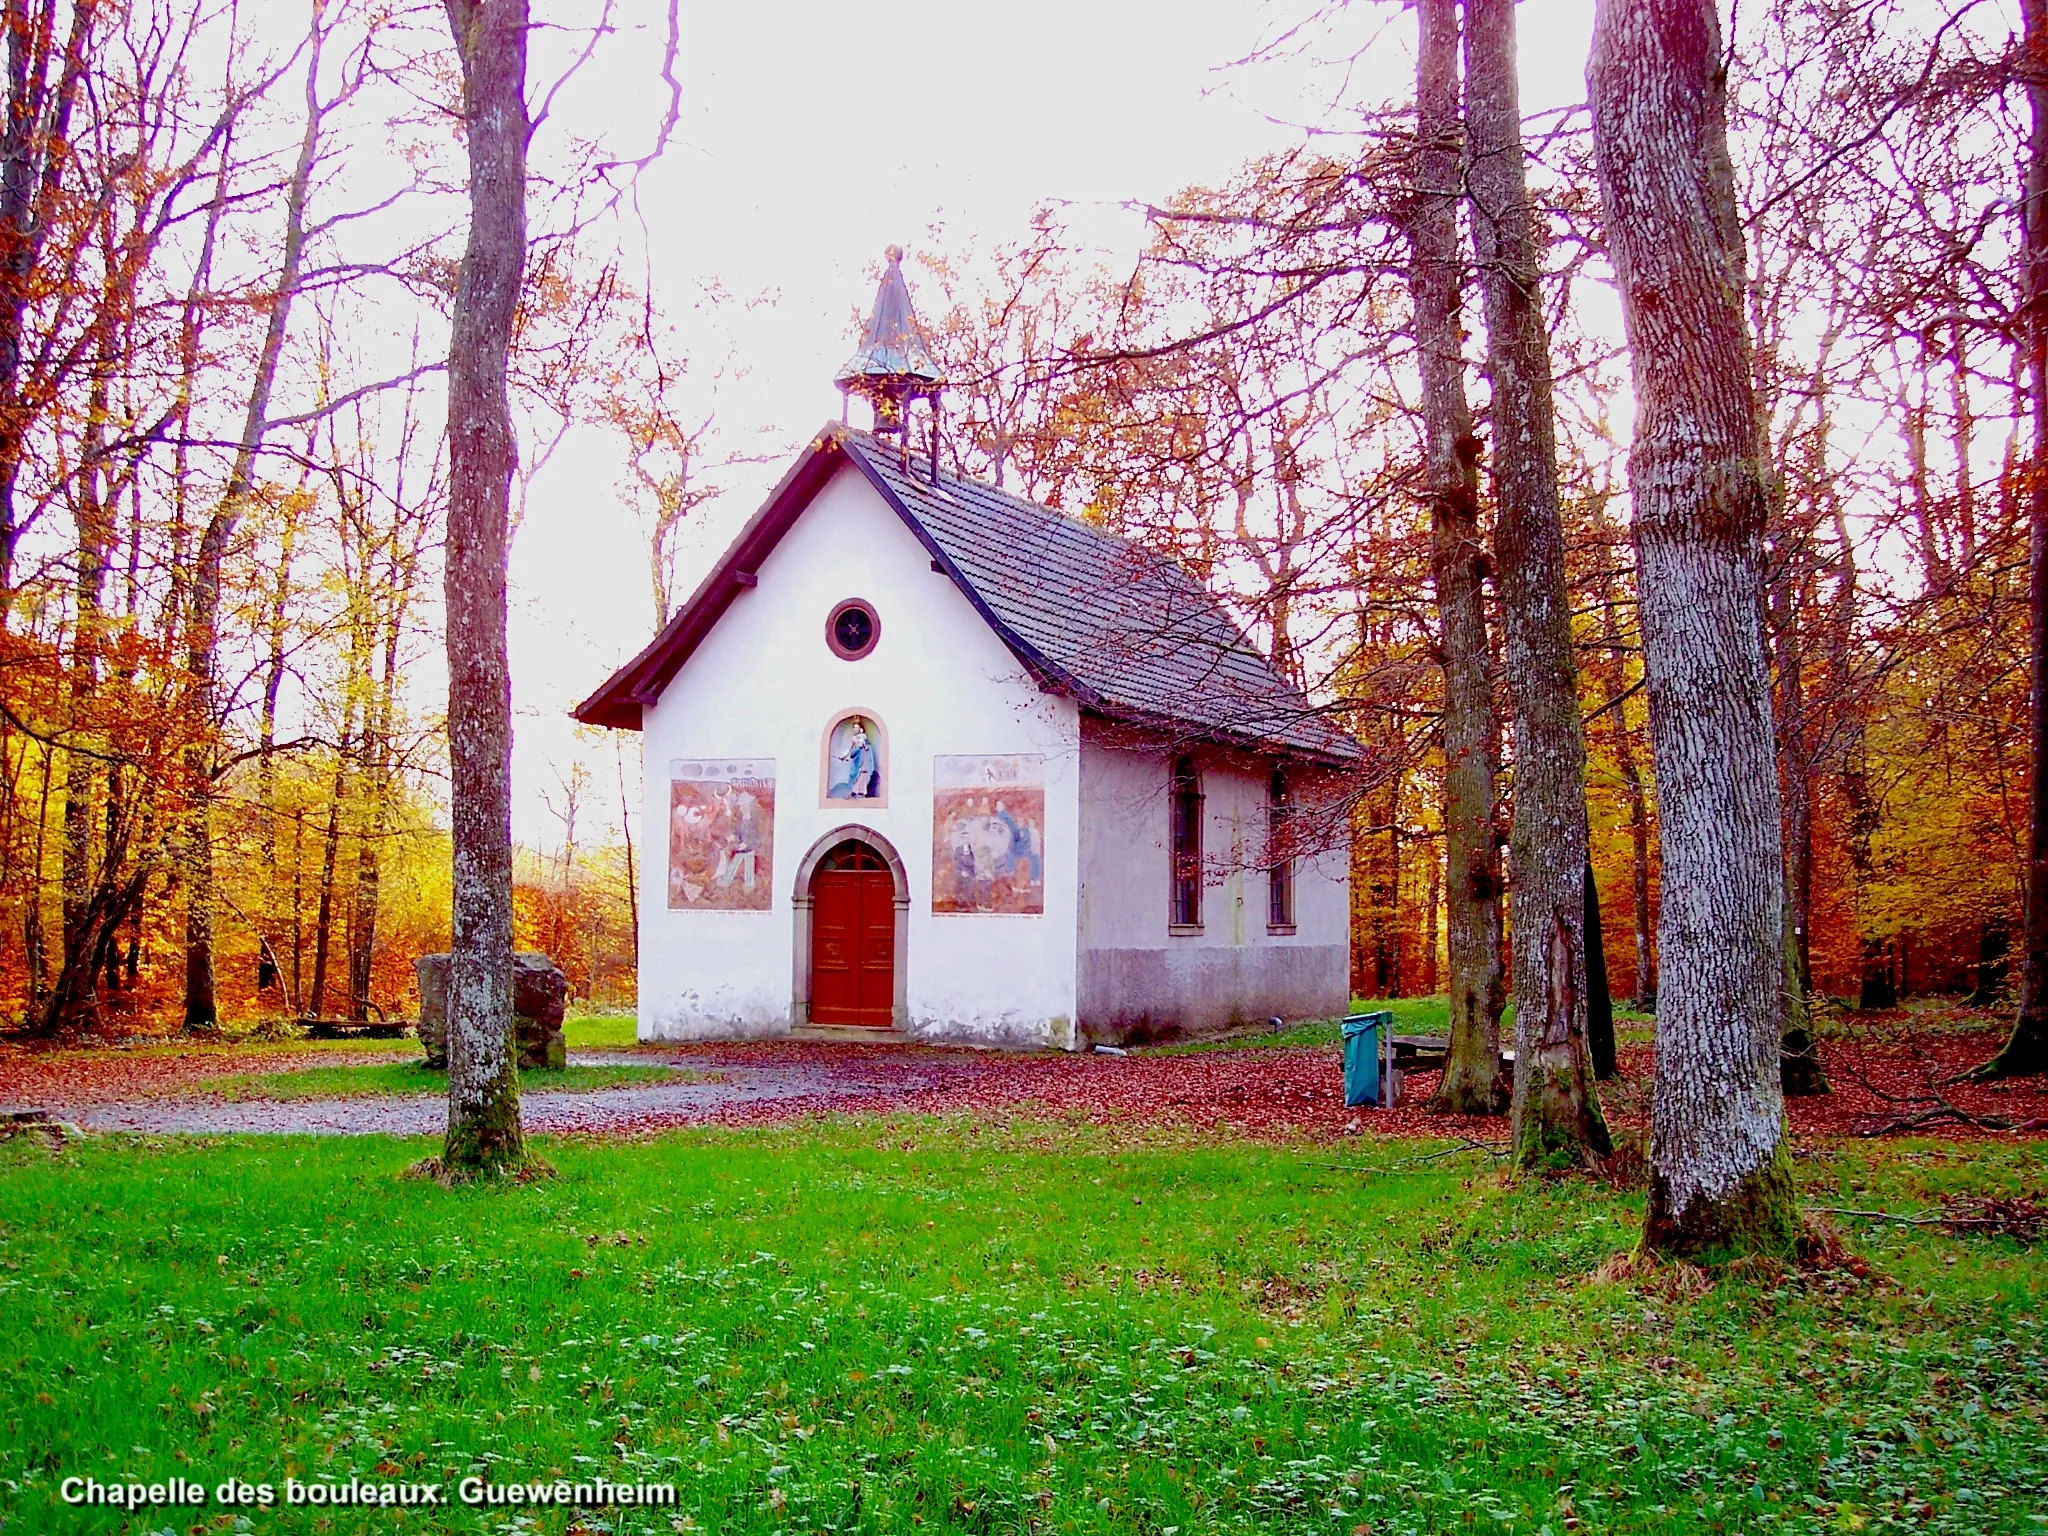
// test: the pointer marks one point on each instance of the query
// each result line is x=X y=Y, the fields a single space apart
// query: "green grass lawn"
x=182 y=1047
x=920 y=1326
x=607 y=1033
x=1412 y=1016
x=412 y=1077
x=594 y=1033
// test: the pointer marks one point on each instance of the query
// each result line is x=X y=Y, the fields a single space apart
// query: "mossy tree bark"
x=2026 y=1050
x=1471 y=726
x=484 y=1130
x=1557 y=1119
x=1718 y=1181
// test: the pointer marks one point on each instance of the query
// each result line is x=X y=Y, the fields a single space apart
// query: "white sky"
x=812 y=136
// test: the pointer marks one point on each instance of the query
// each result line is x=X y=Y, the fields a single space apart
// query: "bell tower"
x=894 y=365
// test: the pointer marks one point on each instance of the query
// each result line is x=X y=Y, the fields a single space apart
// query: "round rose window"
x=852 y=630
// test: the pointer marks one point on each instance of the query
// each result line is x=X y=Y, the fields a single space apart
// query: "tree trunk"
x=74 y=1002
x=1800 y=1073
x=1799 y=1068
x=115 y=813
x=1432 y=904
x=74 y=998
x=1471 y=730
x=201 y=900
x=323 y=922
x=2026 y=1050
x=34 y=146
x=1718 y=1175
x=632 y=873
x=1638 y=802
x=1557 y=1119
x=1994 y=941
x=202 y=635
x=1599 y=999
x=34 y=951
x=134 y=962
x=1874 y=989
x=362 y=914
x=377 y=773
x=1390 y=936
x=484 y=1130
x=1383 y=890
x=1639 y=870
x=299 y=911
x=1959 y=437
x=268 y=973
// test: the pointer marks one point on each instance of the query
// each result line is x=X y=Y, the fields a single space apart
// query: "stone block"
x=540 y=998
x=432 y=971
x=539 y=989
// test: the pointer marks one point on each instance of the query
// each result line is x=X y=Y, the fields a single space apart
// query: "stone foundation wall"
x=1141 y=994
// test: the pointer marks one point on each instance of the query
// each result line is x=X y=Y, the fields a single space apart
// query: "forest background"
x=226 y=258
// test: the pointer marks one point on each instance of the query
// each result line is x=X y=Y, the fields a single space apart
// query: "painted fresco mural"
x=853 y=770
x=988 y=833
x=721 y=834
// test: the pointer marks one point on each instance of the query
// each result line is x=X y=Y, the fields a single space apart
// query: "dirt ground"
x=1879 y=1078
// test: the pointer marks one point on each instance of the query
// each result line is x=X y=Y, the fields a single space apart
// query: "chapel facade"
x=926 y=760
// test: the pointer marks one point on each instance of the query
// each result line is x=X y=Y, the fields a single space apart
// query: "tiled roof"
x=1131 y=632
x=1128 y=633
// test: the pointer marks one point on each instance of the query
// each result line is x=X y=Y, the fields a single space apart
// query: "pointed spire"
x=894 y=363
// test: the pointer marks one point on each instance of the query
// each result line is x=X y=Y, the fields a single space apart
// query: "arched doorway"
x=852 y=904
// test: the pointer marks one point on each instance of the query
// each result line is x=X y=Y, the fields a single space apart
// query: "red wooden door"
x=853 y=939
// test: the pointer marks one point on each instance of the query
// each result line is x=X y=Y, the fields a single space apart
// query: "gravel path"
x=723 y=1089
x=604 y=1109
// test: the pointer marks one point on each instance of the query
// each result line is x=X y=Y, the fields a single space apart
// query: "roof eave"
x=1175 y=728
x=618 y=701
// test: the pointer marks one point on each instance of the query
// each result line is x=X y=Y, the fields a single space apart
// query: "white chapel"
x=924 y=760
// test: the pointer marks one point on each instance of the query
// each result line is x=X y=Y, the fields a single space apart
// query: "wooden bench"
x=1421 y=1053
x=1428 y=1053
x=356 y=1029
x=1406 y=1054
x=1401 y=1055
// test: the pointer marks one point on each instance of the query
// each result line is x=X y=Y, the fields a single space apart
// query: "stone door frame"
x=800 y=903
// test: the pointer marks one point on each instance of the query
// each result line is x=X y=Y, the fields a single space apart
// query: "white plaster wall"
x=1137 y=974
x=1124 y=864
x=764 y=684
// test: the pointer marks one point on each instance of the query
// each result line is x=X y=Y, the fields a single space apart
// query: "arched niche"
x=878 y=737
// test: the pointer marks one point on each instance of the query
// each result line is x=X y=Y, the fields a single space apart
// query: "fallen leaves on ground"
x=1286 y=1092
x=1301 y=1092
x=117 y=1074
